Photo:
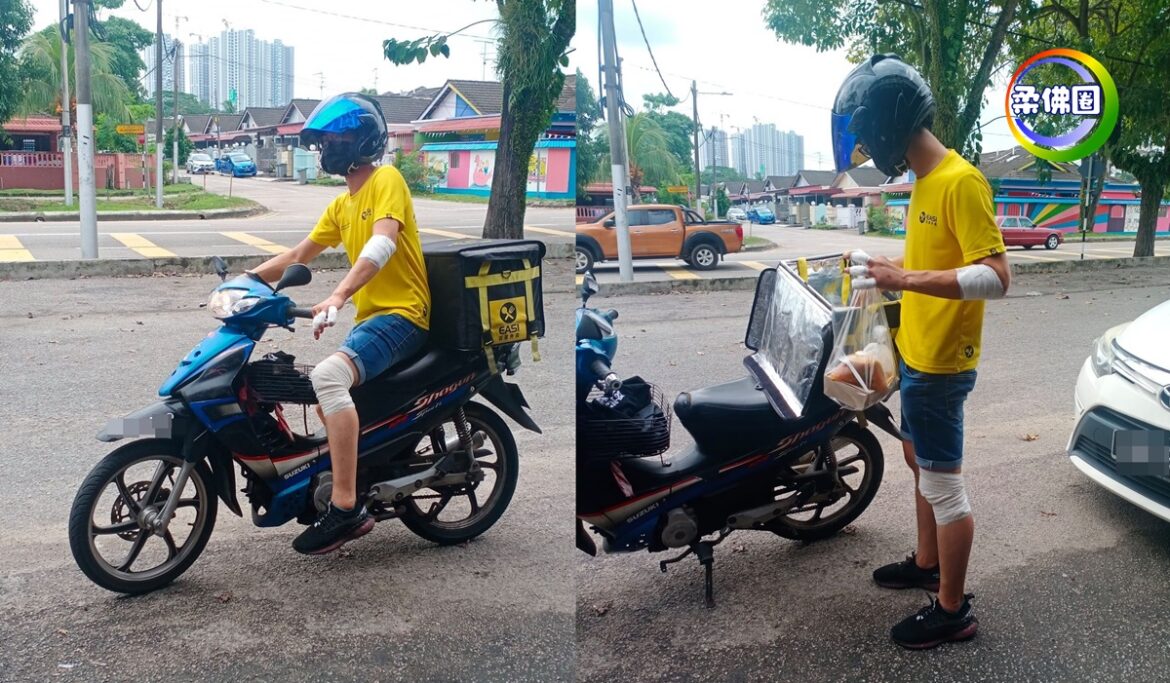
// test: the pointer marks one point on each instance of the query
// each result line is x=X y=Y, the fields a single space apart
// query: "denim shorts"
x=381 y=342
x=932 y=416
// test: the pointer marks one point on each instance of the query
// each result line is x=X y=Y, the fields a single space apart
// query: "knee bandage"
x=946 y=494
x=332 y=379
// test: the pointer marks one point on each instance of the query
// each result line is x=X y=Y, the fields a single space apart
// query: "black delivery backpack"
x=484 y=293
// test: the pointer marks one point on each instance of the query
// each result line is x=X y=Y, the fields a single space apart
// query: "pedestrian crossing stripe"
x=258 y=242
x=12 y=250
x=549 y=231
x=679 y=273
x=141 y=245
x=755 y=265
x=447 y=233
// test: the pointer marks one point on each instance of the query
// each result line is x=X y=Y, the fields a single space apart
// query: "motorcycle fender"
x=162 y=420
x=880 y=415
x=584 y=540
x=509 y=399
x=223 y=473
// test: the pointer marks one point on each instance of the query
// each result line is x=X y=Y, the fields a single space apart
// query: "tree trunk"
x=505 y=215
x=1152 y=189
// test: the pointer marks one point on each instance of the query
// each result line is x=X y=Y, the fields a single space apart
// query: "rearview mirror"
x=296 y=275
x=589 y=287
x=609 y=223
x=220 y=267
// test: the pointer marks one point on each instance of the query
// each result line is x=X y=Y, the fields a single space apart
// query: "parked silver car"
x=198 y=162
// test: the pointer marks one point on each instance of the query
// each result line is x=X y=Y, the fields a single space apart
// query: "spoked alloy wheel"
x=860 y=464
x=109 y=524
x=453 y=514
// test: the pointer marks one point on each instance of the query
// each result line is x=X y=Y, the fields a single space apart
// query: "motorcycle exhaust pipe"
x=452 y=443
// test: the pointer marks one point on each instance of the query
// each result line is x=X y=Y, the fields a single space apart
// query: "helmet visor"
x=848 y=151
x=337 y=115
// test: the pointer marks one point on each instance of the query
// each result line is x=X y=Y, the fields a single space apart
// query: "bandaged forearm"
x=979 y=281
x=378 y=250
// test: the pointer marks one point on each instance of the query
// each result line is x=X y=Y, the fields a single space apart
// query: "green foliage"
x=656 y=102
x=404 y=52
x=722 y=202
x=15 y=21
x=40 y=55
x=414 y=172
x=954 y=43
x=368 y=91
x=188 y=104
x=878 y=220
x=185 y=145
x=678 y=129
x=590 y=152
x=126 y=39
x=228 y=107
x=721 y=174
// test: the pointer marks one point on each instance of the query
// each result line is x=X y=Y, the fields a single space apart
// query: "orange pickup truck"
x=657 y=231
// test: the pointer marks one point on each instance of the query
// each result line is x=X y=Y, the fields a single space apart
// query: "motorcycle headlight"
x=1103 y=355
x=225 y=303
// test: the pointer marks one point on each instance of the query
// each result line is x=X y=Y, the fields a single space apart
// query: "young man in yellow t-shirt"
x=954 y=260
x=387 y=283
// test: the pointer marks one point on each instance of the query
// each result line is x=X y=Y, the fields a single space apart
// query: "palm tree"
x=651 y=162
x=42 y=52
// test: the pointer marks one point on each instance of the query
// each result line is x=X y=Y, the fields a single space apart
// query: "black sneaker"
x=333 y=529
x=906 y=574
x=933 y=625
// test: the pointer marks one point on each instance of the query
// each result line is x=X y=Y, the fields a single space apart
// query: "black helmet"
x=881 y=104
x=345 y=113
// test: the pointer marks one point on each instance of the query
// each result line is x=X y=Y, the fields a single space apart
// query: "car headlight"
x=1103 y=354
x=225 y=303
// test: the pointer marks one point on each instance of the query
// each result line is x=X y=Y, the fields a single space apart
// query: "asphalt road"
x=1070 y=581
x=391 y=608
x=792 y=242
x=293 y=210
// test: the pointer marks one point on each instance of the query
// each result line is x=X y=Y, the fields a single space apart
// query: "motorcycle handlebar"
x=606 y=377
x=611 y=315
x=300 y=312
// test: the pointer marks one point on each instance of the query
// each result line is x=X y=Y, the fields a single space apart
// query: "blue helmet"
x=348 y=112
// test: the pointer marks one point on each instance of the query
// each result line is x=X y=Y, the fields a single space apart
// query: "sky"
x=347 y=50
x=727 y=47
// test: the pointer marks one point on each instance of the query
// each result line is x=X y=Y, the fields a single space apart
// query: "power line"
x=647 y=41
x=369 y=20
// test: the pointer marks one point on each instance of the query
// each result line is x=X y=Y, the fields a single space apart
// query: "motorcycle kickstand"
x=705 y=552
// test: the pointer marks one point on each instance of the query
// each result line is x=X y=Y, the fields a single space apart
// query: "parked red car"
x=1020 y=231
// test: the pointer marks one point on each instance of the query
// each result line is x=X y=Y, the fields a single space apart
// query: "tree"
x=188 y=103
x=679 y=129
x=109 y=139
x=126 y=40
x=589 y=151
x=533 y=38
x=228 y=107
x=651 y=162
x=414 y=172
x=721 y=174
x=15 y=21
x=40 y=55
x=185 y=145
x=368 y=91
x=955 y=44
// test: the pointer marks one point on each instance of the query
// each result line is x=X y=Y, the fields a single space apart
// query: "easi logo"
x=927 y=219
x=1085 y=107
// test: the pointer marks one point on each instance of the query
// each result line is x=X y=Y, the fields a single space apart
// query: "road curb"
x=65 y=270
x=748 y=280
x=165 y=215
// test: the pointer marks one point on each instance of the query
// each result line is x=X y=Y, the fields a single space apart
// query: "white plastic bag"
x=861 y=371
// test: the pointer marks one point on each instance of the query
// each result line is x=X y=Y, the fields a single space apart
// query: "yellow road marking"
x=549 y=231
x=447 y=233
x=753 y=264
x=12 y=250
x=141 y=245
x=679 y=273
x=253 y=241
x=580 y=280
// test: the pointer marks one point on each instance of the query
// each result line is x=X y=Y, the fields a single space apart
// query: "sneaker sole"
x=362 y=530
x=933 y=587
x=966 y=634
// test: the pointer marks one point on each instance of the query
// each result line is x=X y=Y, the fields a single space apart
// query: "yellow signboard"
x=678 y=189
x=130 y=129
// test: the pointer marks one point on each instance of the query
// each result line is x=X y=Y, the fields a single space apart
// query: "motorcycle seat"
x=731 y=419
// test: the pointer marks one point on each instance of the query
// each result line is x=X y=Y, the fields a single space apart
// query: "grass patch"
x=179 y=188
x=327 y=180
x=188 y=200
x=476 y=199
x=757 y=243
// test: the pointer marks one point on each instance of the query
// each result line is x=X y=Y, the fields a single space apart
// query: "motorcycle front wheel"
x=108 y=531
x=448 y=515
x=860 y=464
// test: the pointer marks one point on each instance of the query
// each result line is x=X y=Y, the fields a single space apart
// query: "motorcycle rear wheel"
x=107 y=493
x=852 y=446
x=425 y=509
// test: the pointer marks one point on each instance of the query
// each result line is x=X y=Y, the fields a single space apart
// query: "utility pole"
x=175 y=103
x=158 y=110
x=617 y=142
x=698 y=170
x=66 y=145
x=85 y=187
x=322 y=75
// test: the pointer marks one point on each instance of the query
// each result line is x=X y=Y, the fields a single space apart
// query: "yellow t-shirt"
x=950 y=223
x=401 y=286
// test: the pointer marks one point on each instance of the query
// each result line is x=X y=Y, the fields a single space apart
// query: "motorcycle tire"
x=89 y=495
x=870 y=451
x=498 y=434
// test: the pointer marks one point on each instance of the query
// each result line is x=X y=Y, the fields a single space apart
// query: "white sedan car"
x=1122 y=435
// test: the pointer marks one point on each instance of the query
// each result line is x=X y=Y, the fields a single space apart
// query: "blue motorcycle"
x=427 y=454
x=801 y=474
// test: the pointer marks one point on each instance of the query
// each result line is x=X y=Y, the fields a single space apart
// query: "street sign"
x=678 y=189
x=130 y=129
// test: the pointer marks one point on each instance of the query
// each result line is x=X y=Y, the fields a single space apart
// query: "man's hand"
x=325 y=314
x=887 y=275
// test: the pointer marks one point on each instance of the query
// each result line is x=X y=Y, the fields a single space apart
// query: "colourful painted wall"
x=1114 y=215
x=468 y=168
